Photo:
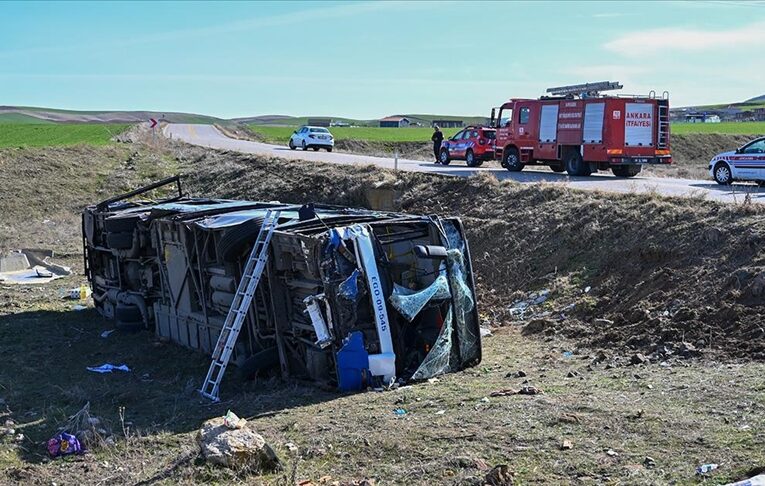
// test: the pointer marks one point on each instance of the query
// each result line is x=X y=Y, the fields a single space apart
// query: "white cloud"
x=655 y=41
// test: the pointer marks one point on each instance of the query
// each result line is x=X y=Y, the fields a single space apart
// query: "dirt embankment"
x=661 y=272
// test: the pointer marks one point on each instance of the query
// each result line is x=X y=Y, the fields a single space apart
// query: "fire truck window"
x=506 y=117
x=523 y=116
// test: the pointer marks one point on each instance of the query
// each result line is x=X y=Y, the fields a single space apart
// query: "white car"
x=307 y=137
x=744 y=164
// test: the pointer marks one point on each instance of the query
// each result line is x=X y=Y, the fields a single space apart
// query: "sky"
x=368 y=60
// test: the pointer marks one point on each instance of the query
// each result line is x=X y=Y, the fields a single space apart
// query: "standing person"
x=438 y=137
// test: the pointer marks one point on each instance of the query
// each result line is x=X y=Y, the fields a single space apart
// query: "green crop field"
x=369 y=134
x=731 y=128
x=41 y=135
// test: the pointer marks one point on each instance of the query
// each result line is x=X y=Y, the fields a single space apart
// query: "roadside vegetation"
x=365 y=134
x=52 y=135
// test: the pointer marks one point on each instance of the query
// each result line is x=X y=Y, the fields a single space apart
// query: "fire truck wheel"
x=260 y=361
x=575 y=166
x=512 y=161
x=444 y=157
x=558 y=168
x=626 y=170
x=471 y=160
x=723 y=175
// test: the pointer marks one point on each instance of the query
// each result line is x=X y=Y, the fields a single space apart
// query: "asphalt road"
x=209 y=136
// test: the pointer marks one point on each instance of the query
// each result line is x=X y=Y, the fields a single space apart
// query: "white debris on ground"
x=30 y=267
x=524 y=309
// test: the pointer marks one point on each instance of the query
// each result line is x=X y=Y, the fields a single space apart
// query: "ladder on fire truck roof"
x=245 y=292
x=586 y=89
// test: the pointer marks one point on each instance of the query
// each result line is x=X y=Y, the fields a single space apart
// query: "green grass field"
x=730 y=128
x=41 y=135
x=369 y=134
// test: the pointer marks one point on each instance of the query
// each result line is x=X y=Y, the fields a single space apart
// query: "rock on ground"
x=236 y=448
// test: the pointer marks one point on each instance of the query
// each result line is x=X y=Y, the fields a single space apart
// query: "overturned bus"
x=349 y=297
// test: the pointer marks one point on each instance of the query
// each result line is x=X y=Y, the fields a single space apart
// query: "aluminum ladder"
x=240 y=306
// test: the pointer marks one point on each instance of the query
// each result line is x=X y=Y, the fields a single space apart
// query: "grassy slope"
x=41 y=134
x=371 y=134
x=732 y=128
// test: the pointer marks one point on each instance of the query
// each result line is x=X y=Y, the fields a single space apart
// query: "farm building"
x=320 y=122
x=759 y=114
x=394 y=122
x=448 y=123
x=702 y=118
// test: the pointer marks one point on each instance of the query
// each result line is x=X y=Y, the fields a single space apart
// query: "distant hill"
x=284 y=120
x=28 y=114
x=756 y=99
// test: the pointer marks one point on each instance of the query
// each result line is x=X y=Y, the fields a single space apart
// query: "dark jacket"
x=437 y=137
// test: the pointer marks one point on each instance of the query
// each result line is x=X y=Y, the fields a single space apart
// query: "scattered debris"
x=524 y=390
x=106 y=333
x=638 y=359
x=241 y=449
x=706 y=468
x=649 y=462
x=108 y=368
x=603 y=322
x=79 y=307
x=566 y=445
x=29 y=266
x=521 y=374
x=485 y=332
x=520 y=308
x=612 y=453
x=64 y=444
x=399 y=412
x=441 y=412
x=499 y=476
x=291 y=447
x=572 y=374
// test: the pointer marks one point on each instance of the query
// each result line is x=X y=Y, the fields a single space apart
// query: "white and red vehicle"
x=580 y=131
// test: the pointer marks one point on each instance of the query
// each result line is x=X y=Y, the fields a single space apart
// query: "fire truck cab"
x=580 y=131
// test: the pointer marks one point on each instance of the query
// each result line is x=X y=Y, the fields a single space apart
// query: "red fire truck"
x=578 y=130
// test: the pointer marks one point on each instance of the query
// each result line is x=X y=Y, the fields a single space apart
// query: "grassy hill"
x=30 y=114
x=296 y=121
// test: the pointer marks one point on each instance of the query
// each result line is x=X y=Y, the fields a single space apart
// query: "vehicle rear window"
x=490 y=134
x=319 y=130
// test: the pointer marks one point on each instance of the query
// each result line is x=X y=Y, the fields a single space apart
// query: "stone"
x=521 y=374
x=638 y=359
x=538 y=325
x=241 y=449
x=499 y=476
